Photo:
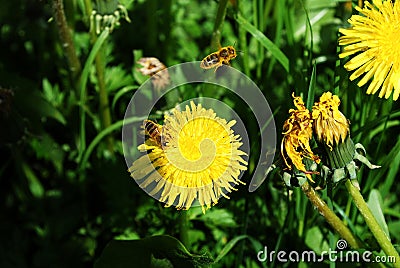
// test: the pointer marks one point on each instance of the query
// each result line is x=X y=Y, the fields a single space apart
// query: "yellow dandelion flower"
x=199 y=159
x=297 y=131
x=375 y=39
x=330 y=125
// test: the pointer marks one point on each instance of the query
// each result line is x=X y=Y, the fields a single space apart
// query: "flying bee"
x=153 y=130
x=216 y=59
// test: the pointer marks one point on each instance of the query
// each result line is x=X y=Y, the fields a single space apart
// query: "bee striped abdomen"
x=153 y=130
x=210 y=61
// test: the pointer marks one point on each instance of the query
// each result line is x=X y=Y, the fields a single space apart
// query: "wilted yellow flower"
x=333 y=131
x=330 y=125
x=199 y=160
x=375 y=39
x=297 y=131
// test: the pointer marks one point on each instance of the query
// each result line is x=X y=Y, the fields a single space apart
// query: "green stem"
x=88 y=7
x=66 y=40
x=184 y=228
x=104 y=106
x=243 y=41
x=373 y=225
x=330 y=216
x=100 y=63
x=152 y=26
x=219 y=22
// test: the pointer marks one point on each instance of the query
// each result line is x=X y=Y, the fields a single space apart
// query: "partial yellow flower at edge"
x=297 y=132
x=375 y=39
x=330 y=125
x=201 y=160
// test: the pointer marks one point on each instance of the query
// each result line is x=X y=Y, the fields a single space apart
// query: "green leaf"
x=229 y=246
x=148 y=252
x=116 y=77
x=34 y=106
x=395 y=226
x=315 y=240
x=34 y=183
x=124 y=253
x=375 y=205
x=46 y=148
x=52 y=93
x=219 y=218
x=267 y=43
x=122 y=92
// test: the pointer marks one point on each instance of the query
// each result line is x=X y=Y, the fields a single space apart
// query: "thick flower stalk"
x=332 y=131
x=297 y=132
x=373 y=42
x=198 y=159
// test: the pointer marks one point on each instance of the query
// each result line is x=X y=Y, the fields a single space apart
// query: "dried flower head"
x=330 y=125
x=333 y=131
x=297 y=132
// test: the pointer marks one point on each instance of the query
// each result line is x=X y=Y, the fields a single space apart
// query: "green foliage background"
x=65 y=190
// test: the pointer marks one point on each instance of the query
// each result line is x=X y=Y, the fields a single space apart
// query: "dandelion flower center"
x=194 y=146
x=203 y=144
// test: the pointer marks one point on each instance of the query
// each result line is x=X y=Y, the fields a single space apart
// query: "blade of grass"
x=279 y=15
x=390 y=165
x=116 y=126
x=309 y=26
x=120 y=93
x=311 y=88
x=243 y=43
x=267 y=43
x=229 y=246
